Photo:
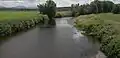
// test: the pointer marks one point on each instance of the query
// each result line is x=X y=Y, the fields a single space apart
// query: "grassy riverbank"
x=105 y=28
x=12 y=22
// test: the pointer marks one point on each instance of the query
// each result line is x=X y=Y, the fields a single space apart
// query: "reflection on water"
x=63 y=41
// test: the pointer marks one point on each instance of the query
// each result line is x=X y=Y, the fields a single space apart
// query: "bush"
x=112 y=49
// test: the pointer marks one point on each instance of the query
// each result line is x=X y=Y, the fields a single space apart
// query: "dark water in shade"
x=63 y=41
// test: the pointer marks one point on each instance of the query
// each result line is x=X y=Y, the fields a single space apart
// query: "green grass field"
x=105 y=17
x=15 y=15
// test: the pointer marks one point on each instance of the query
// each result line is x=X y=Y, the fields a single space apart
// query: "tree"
x=116 y=9
x=96 y=6
x=49 y=9
x=75 y=9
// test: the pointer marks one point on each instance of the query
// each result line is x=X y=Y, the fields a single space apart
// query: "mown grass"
x=16 y=15
x=104 y=27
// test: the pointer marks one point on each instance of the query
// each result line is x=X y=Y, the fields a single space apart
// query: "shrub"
x=112 y=49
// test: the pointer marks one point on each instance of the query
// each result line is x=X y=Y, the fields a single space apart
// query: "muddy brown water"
x=62 y=41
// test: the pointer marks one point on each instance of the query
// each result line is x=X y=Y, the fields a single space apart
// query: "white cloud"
x=33 y=3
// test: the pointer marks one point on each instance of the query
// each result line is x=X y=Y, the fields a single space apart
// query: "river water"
x=62 y=41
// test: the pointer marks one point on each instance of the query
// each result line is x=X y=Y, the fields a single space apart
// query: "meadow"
x=15 y=15
x=105 y=28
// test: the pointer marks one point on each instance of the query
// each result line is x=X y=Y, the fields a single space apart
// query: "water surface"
x=62 y=41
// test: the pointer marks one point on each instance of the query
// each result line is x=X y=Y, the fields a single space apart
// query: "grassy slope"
x=112 y=48
x=106 y=17
x=11 y=15
x=111 y=18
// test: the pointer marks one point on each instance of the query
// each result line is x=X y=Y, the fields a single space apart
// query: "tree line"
x=95 y=7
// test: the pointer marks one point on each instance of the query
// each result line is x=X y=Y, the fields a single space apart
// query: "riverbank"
x=12 y=22
x=99 y=54
x=103 y=27
x=61 y=41
x=78 y=33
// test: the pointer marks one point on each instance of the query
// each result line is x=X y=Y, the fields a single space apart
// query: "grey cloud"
x=33 y=3
x=76 y=0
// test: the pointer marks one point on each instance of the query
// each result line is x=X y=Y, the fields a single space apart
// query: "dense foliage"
x=95 y=7
x=106 y=31
x=49 y=8
x=116 y=9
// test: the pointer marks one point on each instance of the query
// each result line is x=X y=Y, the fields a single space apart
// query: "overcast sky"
x=33 y=3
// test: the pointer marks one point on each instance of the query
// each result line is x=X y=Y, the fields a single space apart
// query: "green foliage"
x=112 y=49
x=103 y=29
x=74 y=9
x=102 y=6
x=49 y=8
x=95 y=7
x=116 y=9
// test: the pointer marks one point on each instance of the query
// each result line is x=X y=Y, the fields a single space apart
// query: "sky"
x=33 y=3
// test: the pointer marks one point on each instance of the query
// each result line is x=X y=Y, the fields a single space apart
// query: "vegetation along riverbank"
x=12 y=22
x=105 y=28
x=100 y=19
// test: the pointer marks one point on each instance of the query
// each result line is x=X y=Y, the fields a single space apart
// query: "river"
x=62 y=41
